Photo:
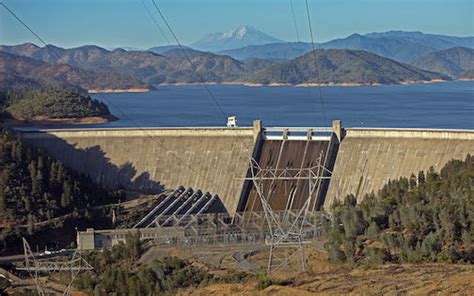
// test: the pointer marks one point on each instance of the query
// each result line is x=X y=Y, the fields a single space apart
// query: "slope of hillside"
x=467 y=75
x=341 y=67
x=430 y=40
x=453 y=62
x=36 y=190
x=336 y=66
x=48 y=105
x=178 y=52
x=398 y=45
x=9 y=81
x=283 y=51
x=393 y=48
x=20 y=71
x=149 y=67
x=175 y=50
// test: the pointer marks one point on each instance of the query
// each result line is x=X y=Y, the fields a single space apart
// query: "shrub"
x=413 y=219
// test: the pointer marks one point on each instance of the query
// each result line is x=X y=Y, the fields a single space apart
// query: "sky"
x=126 y=23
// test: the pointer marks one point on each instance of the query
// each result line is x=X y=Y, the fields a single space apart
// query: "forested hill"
x=469 y=74
x=147 y=67
x=18 y=72
x=35 y=189
x=51 y=104
x=428 y=217
x=454 y=62
x=341 y=66
x=334 y=66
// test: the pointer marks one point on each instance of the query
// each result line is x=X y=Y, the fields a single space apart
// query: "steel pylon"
x=35 y=266
x=287 y=232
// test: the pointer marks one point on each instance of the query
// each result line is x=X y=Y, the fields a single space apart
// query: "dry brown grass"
x=326 y=279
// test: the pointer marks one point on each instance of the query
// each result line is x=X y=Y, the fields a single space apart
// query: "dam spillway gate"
x=287 y=152
x=288 y=183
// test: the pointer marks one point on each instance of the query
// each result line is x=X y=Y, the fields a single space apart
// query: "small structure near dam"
x=216 y=161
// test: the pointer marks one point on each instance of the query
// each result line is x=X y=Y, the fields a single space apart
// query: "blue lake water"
x=437 y=105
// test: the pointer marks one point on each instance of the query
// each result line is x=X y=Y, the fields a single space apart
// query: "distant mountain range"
x=402 y=46
x=176 y=51
x=146 y=68
x=454 y=62
x=98 y=68
x=376 y=58
x=237 y=38
x=341 y=66
x=398 y=45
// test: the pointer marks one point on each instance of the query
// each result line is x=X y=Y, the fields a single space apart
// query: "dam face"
x=369 y=158
x=150 y=160
x=217 y=159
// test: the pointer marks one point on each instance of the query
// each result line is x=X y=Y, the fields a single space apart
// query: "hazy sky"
x=113 y=23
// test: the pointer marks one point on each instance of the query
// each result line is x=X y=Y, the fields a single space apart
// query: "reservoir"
x=437 y=105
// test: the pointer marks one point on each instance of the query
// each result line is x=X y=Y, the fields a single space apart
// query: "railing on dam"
x=297 y=133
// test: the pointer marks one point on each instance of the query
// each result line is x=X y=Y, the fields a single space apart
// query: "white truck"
x=232 y=121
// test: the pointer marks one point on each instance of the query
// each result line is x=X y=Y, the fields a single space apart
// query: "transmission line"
x=318 y=81
x=23 y=23
x=145 y=132
x=201 y=79
x=156 y=22
x=294 y=20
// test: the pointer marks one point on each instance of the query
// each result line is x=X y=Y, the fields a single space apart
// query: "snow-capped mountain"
x=239 y=37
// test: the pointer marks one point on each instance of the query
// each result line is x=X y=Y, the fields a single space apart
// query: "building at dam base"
x=216 y=160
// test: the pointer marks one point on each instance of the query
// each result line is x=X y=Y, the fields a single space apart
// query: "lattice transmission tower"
x=35 y=267
x=286 y=232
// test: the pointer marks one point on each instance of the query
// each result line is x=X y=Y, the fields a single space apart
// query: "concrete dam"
x=216 y=160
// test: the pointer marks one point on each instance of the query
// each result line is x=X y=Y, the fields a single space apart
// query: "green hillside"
x=340 y=66
x=468 y=74
x=31 y=104
x=424 y=218
x=453 y=62
x=18 y=72
x=37 y=193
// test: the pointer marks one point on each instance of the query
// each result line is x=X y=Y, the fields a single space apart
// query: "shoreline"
x=341 y=84
x=41 y=121
x=118 y=90
x=251 y=84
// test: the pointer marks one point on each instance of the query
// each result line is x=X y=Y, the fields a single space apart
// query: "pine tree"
x=412 y=181
x=421 y=177
x=30 y=224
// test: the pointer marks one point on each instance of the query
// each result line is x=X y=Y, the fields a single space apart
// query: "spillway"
x=290 y=154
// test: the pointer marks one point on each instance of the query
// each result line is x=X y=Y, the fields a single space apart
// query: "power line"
x=23 y=23
x=318 y=81
x=53 y=50
x=156 y=22
x=294 y=20
x=201 y=79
